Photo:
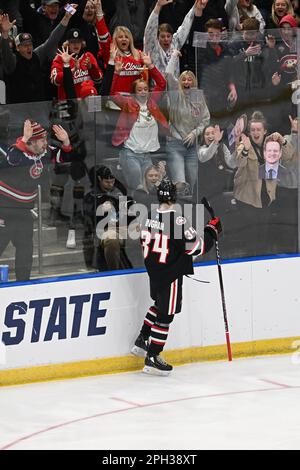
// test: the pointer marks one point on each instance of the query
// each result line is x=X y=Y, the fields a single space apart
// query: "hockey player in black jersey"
x=169 y=243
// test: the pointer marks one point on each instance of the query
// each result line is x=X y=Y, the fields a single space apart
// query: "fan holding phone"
x=70 y=8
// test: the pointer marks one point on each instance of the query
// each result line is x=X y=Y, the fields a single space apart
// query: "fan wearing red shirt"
x=132 y=62
x=85 y=69
x=138 y=125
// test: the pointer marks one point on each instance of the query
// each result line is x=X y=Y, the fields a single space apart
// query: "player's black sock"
x=159 y=335
x=149 y=321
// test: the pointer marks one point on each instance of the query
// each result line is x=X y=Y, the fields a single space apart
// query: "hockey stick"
x=208 y=207
x=197 y=280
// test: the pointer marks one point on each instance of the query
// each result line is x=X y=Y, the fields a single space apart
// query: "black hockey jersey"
x=169 y=241
x=20 y=172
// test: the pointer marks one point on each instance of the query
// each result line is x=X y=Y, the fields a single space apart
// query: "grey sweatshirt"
x=207 y=153
x=159 y=56
x=188 y=111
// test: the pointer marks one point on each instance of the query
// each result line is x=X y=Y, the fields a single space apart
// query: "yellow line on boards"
x=114 y=365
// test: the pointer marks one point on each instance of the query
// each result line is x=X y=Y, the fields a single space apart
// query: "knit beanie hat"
x=38 y=132
x=290 y=20
x=104 y=172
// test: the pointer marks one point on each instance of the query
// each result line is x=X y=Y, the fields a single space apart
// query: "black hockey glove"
x=214 y=227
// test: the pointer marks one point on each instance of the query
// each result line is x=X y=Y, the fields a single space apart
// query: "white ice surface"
x=247 y=404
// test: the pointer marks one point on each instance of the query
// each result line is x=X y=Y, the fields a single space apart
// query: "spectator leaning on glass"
x=137 y=127
x=188 y=115
x=24 y=74
x=160 y=40
x=19 y=178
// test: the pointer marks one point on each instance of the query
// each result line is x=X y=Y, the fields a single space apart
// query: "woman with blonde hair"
x=188 y=115
x=280 y=8
x=137 y=129
x=131 y=59
x=146 y=194
x=217 y=165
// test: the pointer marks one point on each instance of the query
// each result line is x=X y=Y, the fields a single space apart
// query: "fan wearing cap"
x=84 y=67
x=284 y=76
x=102 y=225
x=19 y=179
x=25 y=76
x=286 y=52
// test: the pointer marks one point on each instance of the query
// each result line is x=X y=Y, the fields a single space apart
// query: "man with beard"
x=21 y=169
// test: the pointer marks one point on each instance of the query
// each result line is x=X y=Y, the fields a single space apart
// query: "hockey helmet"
x=166 y=191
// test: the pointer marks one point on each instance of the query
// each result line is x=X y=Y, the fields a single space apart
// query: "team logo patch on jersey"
x=2 y=223
x=36 y=170
x=180 y=220
x=289 y=63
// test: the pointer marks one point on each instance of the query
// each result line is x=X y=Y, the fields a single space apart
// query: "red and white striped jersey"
x=132 y=69
x=80 y=73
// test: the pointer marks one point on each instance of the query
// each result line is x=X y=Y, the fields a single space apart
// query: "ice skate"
x=140 y=347
x=155 y=365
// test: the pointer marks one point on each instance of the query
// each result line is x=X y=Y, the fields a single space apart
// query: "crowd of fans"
x=201 y=92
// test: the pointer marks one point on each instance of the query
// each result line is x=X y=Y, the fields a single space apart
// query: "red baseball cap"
x=290 y=20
